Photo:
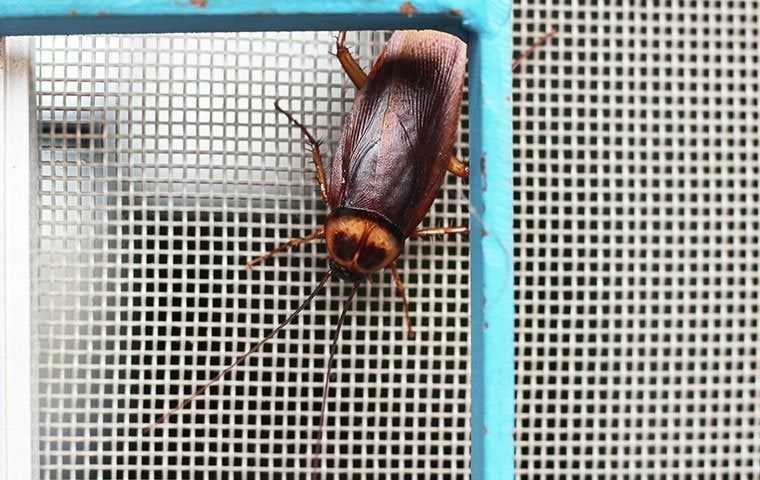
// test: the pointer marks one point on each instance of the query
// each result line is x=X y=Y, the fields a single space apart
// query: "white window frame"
x=17 y=155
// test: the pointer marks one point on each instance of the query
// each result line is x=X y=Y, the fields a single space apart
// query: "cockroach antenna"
x=255 y=348
x=316 y=459
x=540 y=42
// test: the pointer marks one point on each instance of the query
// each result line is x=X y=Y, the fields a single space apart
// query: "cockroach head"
x=361 y=243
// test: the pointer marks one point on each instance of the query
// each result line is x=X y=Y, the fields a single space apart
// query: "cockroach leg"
x=458 y=167
x=429 y=232
x=316 y=155
x=409 y=328
x=315 y=461
x=349 y=63
x=542 y=40
x=292 y=243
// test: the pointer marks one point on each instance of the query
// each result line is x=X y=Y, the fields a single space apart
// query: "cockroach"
x=394 y=152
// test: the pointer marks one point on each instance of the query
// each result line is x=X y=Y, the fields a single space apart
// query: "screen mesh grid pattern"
x=163 y=167
x=637 y=220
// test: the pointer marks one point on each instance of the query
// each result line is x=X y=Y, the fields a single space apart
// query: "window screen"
x=637 y=212
x=163 y=167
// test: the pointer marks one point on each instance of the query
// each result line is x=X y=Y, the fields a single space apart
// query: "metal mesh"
x=163 y=167
x=637 y=210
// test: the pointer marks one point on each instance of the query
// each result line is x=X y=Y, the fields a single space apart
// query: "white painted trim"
x=17 y=154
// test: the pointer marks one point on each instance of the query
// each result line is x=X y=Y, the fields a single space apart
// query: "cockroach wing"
x=399 y=136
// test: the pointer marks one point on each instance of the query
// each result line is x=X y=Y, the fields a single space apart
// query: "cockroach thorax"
x=360 y=243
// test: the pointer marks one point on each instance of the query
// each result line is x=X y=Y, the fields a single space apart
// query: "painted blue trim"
x=17 y=8
x=39 y=17
x=493 y=362
x=486 y=23
x=221 y=23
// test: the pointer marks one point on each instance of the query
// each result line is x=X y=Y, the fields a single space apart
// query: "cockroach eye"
x=344 y=246
x=371 y=257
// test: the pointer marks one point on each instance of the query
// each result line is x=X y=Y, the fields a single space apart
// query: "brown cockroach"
x=390 y=163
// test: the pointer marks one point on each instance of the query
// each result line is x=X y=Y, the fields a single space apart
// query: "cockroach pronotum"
x=391 y=161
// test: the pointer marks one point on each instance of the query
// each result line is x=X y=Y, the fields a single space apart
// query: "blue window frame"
x=486 y=25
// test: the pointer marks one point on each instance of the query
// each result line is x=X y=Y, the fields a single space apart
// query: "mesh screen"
x=637 y=212
x=163 y=166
